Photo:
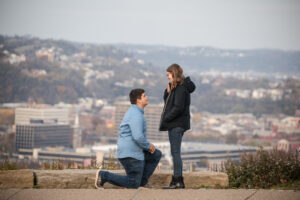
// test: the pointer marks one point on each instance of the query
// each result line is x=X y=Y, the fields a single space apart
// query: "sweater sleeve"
x=137 y=126
x=178 y=107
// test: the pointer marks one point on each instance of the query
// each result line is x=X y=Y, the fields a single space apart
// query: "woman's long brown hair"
x=177 y=74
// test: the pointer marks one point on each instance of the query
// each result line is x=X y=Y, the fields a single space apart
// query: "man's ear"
x=138 y=99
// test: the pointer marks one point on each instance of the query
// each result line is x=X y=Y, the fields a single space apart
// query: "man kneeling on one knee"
x=138 y=156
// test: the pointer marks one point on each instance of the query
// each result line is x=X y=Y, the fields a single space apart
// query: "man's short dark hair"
x=135 y=94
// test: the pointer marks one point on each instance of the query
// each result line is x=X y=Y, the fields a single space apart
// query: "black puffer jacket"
x=176 y=111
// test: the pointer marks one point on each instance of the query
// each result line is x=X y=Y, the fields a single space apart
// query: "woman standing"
x=175 y=117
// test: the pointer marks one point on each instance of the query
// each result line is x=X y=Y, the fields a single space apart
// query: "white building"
x=77 y=133
x=276 y=94
x=259 y=93
x=25 y=116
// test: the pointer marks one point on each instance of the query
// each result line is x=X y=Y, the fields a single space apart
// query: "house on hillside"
x=288 y=145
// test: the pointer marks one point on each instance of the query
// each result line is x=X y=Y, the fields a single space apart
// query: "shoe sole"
x=97 y=176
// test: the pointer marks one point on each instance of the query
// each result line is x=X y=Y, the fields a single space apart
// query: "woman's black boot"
x=181 y=183
x=176 y=183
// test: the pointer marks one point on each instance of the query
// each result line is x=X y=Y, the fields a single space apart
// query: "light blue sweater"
x=132 y=139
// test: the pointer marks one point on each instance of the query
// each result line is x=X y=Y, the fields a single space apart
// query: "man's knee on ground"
x=134 y=185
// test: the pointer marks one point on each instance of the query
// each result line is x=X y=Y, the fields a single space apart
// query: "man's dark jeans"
x=175 y=138
x=137 y=171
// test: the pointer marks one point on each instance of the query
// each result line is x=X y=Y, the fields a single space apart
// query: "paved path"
x=146 y=194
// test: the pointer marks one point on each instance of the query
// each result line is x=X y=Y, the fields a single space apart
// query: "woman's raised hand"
x=168 y=88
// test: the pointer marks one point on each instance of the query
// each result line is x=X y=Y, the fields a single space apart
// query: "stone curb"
x=16 y=179
x=84 y=179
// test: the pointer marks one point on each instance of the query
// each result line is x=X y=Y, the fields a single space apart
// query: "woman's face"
x=170 y=77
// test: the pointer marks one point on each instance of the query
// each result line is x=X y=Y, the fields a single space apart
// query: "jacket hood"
x=189 y=85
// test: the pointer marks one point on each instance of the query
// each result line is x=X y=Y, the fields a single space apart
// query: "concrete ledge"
x=16 y=179
x=63 y=179
x=84 y=179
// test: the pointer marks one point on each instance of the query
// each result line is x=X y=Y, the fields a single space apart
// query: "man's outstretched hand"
x=151 y=149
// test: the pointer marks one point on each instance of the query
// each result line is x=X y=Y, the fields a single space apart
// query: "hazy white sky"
x=244 y=24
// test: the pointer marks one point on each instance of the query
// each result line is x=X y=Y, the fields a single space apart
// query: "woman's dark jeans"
x=175 y=138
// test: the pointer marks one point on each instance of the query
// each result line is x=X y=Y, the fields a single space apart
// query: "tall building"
x=41 y=115
x=152 y=114
x=77 y=132
x=42 y=127
x=42 y=135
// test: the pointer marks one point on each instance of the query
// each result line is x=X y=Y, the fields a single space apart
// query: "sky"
x=226 y=24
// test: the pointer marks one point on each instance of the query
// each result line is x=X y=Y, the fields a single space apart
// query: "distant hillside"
x=207 y=58
x=50 y=71
x=53 y=71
